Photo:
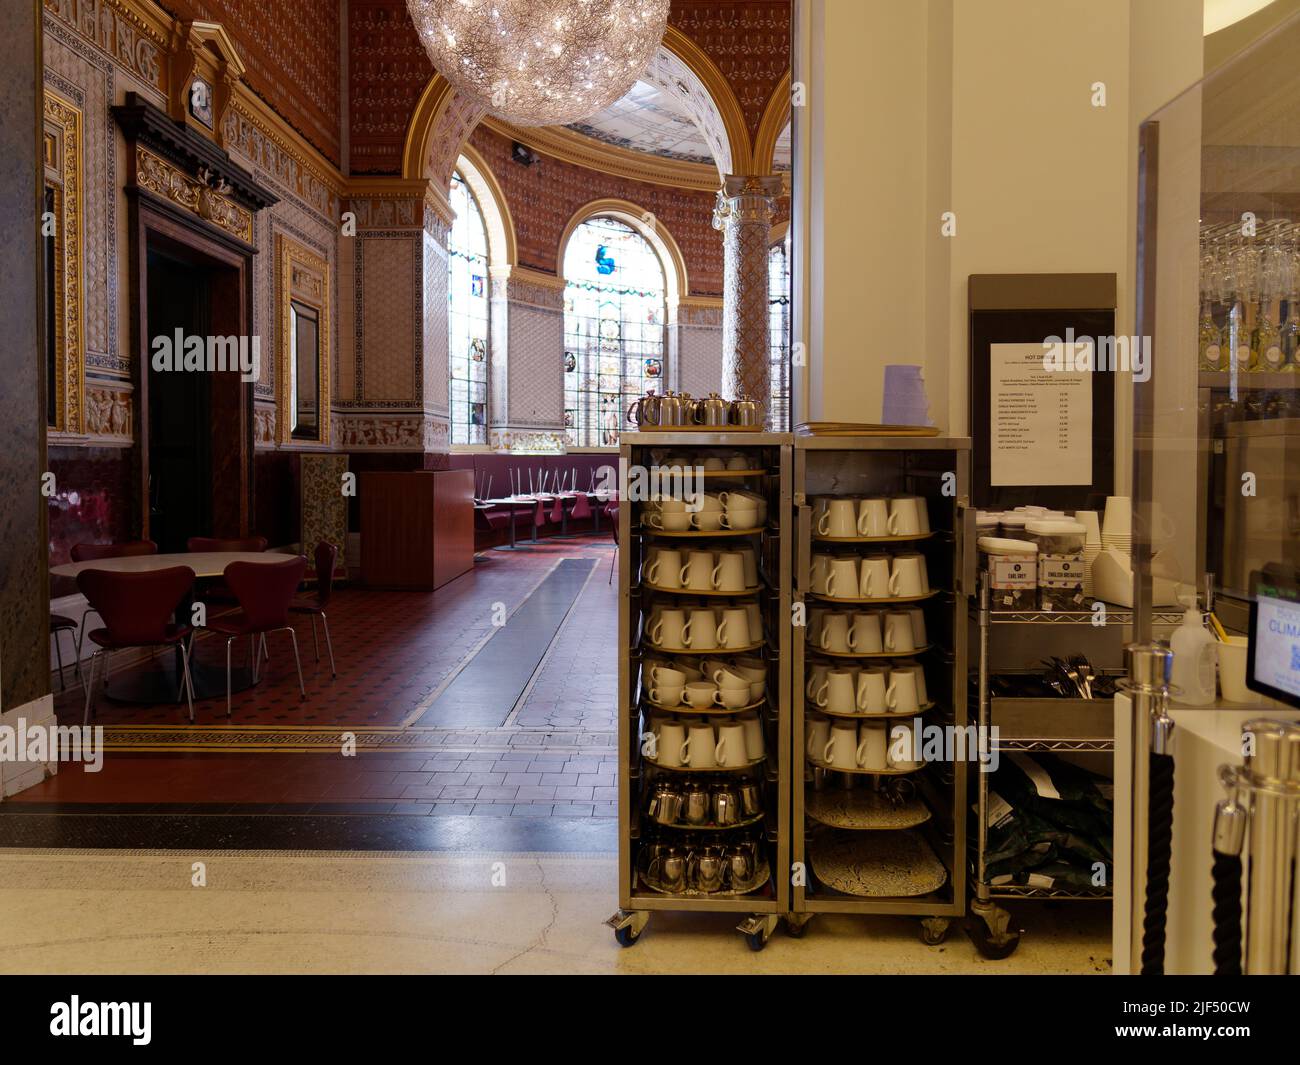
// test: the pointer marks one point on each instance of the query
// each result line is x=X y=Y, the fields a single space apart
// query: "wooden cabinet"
x=417 y=527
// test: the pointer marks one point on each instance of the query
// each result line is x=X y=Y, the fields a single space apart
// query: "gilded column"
x=743 y=213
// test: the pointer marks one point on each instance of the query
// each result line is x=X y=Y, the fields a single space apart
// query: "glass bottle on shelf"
x=1209 y=341
x=1243 y=355
x=1290 y=334
x=1267 y=341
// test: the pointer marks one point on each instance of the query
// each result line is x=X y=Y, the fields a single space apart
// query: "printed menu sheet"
x=1040 y=419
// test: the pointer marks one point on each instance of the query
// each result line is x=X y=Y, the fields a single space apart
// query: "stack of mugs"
x=877 y=576
x=676 y=683
x=887 y=688
x=731 y=571
x=695 y=742
x=1117 y=525
x=863 y=747
x=693 y=627
x=736 y=510
x=866 y=632
x=709 y=461
x=870 y=517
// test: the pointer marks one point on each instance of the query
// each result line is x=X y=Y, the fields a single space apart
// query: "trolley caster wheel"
x=757 y=929
x=989 y=930
x=934 y=930
x=628 y=926
x=795 y=927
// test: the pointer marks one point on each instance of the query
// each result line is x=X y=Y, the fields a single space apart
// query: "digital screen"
x=1275 y=648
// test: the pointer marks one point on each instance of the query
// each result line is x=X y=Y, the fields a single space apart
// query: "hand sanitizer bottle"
x=1195 y=654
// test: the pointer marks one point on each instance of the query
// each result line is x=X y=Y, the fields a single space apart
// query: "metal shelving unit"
x=763 y=906
x=1076 y=726
x=936 y=468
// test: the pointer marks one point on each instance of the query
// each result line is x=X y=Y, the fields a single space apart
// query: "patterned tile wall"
x=388 y=295
x=435 y=326
x=699 y=365
x=536 y=367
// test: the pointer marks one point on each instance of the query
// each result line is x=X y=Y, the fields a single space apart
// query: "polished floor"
x=493 y=696
x=117 y=912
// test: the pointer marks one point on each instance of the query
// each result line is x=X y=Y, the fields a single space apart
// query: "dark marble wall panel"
x=276 y=493
x=94 y=502
x=24 y=583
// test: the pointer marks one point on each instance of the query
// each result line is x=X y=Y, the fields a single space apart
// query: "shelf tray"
x=906 y=539
x=877 y=864
x=875 y=602
x=863 y=810
x=868 y=654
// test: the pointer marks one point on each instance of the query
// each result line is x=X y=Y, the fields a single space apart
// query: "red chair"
x=611 y=512
x=95 y=552
x=539 y=518
x=264 y=591
x=327 y=555
x=557 y=511
x=137 y=609
x=62 y=623
x=581 y=507
x=217 y=591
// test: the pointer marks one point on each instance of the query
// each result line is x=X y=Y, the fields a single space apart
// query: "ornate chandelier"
x=541 y=62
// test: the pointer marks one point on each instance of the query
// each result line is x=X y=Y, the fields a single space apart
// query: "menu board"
x=1040 y=415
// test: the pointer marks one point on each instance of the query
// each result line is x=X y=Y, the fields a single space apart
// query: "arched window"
x=467 y=316
x=614 y=320
x=778 y=318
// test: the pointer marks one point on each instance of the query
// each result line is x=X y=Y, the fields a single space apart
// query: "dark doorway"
x=180 y=407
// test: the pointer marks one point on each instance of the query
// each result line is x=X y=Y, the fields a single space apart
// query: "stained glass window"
x=467 y=317
x=614 y=318
x=778 y=317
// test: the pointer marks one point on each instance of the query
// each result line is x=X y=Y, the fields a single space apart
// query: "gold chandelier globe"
x=541 y=62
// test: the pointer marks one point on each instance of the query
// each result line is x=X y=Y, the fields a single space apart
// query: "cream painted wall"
x=982 y=107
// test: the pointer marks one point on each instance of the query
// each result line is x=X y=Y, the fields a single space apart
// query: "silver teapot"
x=726 y=806
x=648 y=410
x=712 y=410
x=744 y=411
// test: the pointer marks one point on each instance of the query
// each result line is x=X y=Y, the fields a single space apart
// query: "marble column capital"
x=749 y=198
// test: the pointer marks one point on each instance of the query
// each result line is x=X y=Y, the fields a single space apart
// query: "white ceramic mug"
x=841 y=691
x=904 y=516
x=898 y=633
x=750 y=558
x=741 y=518
x=667 y=628
x=839 y=519
x=821 y=568
x=700 y=633
x=864 y=633
x=873 y=517
x=873 y=745
x=872 y=684
x=902 y=752
x=757 y=677
x=732 y=750
x=670 y=739
x=842 y=579
x=755 y=617
x=665 y=568
x=919 y=638
x=700 y=695
x=730 y=572
x=755 y=742
x=901 y=696
x=699 y=572
x=817 y=734
x=834 y=633
x=733 y=629
x=706 y=520
x=700 y=751
x=873 y=582
x=841 y=750
x=906 y=577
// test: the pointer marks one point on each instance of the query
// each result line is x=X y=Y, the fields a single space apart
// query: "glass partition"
x=1216 y=475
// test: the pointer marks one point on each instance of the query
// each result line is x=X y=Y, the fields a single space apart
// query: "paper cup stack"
x=1091 y=545
x=1117 y=525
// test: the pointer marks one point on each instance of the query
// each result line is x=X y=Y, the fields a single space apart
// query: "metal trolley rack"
x=1026 y=726
x=833 y=811
x=643 y=840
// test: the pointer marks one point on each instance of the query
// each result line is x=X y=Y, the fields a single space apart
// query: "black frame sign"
x=1042 y=389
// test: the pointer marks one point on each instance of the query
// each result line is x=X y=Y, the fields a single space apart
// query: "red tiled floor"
x=393 y=650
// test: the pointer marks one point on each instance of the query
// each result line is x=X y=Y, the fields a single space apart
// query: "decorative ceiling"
x=781 y=155
x=649 y=119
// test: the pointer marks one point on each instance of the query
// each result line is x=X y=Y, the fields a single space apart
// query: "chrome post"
x=1149 y=670
x=1270 y=749
x=985 y=734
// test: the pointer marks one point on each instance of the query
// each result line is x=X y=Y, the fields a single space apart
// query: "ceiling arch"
x=444 y=118
x=775 y=120
x=503 y=249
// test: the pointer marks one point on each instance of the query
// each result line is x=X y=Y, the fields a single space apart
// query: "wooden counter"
x=417 y=527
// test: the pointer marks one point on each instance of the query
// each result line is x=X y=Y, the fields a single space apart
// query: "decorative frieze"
x=249 y=136
x=109 y=415
x=162 y=179
x=390 y=432
x=117 y=29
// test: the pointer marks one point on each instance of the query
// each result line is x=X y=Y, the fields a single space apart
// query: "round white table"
x=160 y=685
x=203 y=563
